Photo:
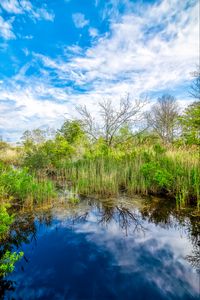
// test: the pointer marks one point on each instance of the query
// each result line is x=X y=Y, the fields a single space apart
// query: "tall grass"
x=10 y=155
x=148 y=171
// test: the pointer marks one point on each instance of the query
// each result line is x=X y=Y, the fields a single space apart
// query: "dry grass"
x=10 y=155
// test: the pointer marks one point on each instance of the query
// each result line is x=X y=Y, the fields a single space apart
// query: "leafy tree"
x=190 y=122
x=72 y=131
x=62 y=149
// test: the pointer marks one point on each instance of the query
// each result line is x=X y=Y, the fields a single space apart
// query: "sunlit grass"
x=146 y=172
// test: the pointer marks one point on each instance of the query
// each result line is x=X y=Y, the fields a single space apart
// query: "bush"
x=21 y=185
x=8 y=259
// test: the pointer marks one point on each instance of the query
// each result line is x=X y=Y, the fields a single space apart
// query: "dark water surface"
x=106 y=249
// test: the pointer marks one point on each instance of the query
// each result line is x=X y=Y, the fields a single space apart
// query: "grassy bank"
x=152 y=171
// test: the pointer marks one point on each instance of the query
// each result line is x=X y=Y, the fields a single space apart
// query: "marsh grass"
x=10 y=155
x=143 y=172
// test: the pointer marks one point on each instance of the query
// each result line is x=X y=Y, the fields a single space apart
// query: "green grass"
x=144 y=172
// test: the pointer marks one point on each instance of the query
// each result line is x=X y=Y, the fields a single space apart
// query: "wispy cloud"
x=148 y=49
x=12 y=6
x=43 y=14
x=79 y=20
x=26 y=7
x=6 y=30
x=93 y=32
x=147 y=52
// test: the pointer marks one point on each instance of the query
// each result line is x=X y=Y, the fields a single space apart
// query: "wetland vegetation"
x=128 y=152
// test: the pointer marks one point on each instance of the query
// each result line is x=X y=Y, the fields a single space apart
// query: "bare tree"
x=163 y=117
x=111 y=118
x=195 y=86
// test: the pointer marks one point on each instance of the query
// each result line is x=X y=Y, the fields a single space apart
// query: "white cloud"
x=43 y=14
x=16 y=7
x=28 y=110
x=28 y=37
x=11 y=6
x=93 y=32
x=6 y=30
x=146 y=51
x=79 y=20
x=26 y=51
x=26 y=7
x=134 y=57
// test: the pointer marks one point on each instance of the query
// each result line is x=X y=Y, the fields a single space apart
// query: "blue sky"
x=56 y=54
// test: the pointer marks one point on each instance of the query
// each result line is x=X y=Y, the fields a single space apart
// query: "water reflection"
x=100 y=249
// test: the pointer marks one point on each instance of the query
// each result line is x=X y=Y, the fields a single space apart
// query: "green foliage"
x=133 y=163
x=163 y=178
x=7 y=262
x=22 y=186
x=159 y=149
x=5 y=220
x=72 y=131
x=73 y=200
x=190 y=122
x=48 y=155
x=8 y=259
x=142 y=171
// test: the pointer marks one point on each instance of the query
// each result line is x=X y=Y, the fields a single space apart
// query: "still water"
x=106 y=249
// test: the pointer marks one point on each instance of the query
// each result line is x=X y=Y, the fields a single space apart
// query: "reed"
x=144 y=172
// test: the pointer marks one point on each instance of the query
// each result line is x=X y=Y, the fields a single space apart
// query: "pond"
x=106 y=249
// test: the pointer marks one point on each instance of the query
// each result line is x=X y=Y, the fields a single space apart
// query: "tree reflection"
x=123 y=216
x=194 y=258
x=166 y=214
x=129 y=217
x=23 y=230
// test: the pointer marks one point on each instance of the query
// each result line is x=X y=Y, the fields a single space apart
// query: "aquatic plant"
x=73 y=200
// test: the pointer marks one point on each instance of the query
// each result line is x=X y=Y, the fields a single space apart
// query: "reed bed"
x=146 y=172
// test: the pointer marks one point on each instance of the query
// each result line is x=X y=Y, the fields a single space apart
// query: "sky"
x=57 y=54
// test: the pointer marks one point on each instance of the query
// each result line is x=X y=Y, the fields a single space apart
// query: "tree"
x=112 y=119
x=195 y=87
x=163 y=118
x=34 y=137
x=190 y=123
x=72 y=130
x=190 y=120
